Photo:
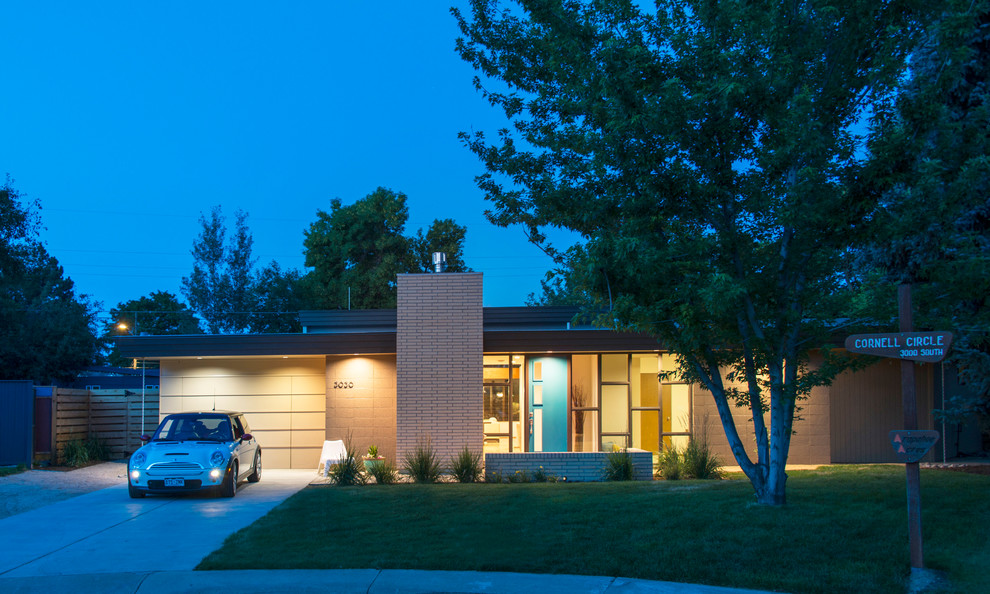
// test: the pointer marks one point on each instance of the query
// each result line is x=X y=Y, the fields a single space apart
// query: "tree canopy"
x=356 y=251
x=46 y=330
x=930 y=169
x=221 y=285
x=703 y=150
x=160 y=313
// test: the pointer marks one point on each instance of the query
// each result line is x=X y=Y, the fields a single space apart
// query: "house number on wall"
x=342 y=385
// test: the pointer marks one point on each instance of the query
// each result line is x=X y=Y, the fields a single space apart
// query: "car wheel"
x=229 y=486
x=256 y=475
x=133 y=492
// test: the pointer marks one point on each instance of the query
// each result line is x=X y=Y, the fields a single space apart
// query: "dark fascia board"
x=568 y=341
x=246 y=345
x=271 y=345
x=495 y=318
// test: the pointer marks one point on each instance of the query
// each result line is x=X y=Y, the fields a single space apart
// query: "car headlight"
x=138 y=459
x=217 y=458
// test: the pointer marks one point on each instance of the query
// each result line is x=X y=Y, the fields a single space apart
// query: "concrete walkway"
x=106 y=542
x=363 y=581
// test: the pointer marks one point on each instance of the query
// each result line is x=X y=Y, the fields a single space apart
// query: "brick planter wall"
x=574 y=466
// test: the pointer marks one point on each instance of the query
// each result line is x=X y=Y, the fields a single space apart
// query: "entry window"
x=501 y=403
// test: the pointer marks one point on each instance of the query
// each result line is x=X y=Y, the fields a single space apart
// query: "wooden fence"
x=113 y=416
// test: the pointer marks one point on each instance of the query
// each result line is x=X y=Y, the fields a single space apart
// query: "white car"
x=193 y=451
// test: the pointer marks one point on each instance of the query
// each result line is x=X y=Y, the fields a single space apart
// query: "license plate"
x=175 y=482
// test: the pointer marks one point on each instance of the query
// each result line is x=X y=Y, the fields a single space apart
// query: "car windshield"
x=193 y=427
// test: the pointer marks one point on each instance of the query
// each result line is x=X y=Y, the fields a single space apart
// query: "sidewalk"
x=357 y=581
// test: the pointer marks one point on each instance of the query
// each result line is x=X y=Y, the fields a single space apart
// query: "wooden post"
x=127 y=421
x=909 y=401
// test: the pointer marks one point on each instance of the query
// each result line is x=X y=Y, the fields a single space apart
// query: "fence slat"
x=113 y=416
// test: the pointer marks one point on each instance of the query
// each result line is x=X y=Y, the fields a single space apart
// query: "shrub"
x=494 y=476
x=97 y=449
x=699 y=461
x=670 y=464
x=348 y=471
x=384 y=472
x=466 y=466
x=519 y=476
x=618 y=466
x=75 y=453
x=542 y=476
x=423 y=465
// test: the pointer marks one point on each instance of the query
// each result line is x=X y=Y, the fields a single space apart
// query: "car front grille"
x=174 y=467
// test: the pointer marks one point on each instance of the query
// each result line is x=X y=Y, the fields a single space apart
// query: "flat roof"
x=506 y=329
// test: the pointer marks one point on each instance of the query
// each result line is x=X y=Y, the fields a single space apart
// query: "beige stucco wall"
x=810 y=443
x=866 y=407
x=284 y=400
x=846 y=422
x=361 y=402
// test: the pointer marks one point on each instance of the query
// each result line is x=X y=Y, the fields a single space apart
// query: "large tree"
x=278 y=298
x=221 y=286
x=931 y=171
x=46 y=330
x=446 y=236
x=357 y=250
x=160 y=313
x=702 y=149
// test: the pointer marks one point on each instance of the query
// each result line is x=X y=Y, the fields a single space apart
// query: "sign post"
x=910 y=444
x=909 y=400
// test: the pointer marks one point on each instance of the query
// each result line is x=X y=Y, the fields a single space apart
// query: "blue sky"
x=127 y=120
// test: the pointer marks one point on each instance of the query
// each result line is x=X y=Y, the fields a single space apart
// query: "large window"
x=676 y=402
x=646 y=408
x=615 y=401
x=584 y=403
x=502 y=410
x=661 y=410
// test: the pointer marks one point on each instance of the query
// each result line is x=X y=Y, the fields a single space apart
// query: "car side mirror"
x=145 y=438
x=247 y=437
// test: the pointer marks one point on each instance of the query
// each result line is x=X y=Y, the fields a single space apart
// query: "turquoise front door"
x=547 y=404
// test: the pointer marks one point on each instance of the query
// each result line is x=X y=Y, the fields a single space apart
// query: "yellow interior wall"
x=649 y=429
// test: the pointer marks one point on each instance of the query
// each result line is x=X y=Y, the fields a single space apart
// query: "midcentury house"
x=500 y=380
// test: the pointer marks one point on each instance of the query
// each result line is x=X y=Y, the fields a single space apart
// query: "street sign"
x=911 y=446
x=928 y=347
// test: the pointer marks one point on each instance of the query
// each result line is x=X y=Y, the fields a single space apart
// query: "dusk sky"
x=127 y=120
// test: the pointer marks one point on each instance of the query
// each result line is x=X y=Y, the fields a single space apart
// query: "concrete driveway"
x=107 y=532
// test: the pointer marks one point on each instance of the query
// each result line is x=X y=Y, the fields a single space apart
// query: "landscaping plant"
x=75 y=453
x=699 y=462
x=348 y=471
x=542 y=476
x=466 y=466
x=423 y=465
x=97 y=449
x=618 y=466
x=670 y=464
x=384 y=472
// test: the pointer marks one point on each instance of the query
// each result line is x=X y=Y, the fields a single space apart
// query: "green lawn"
x=844 y=529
